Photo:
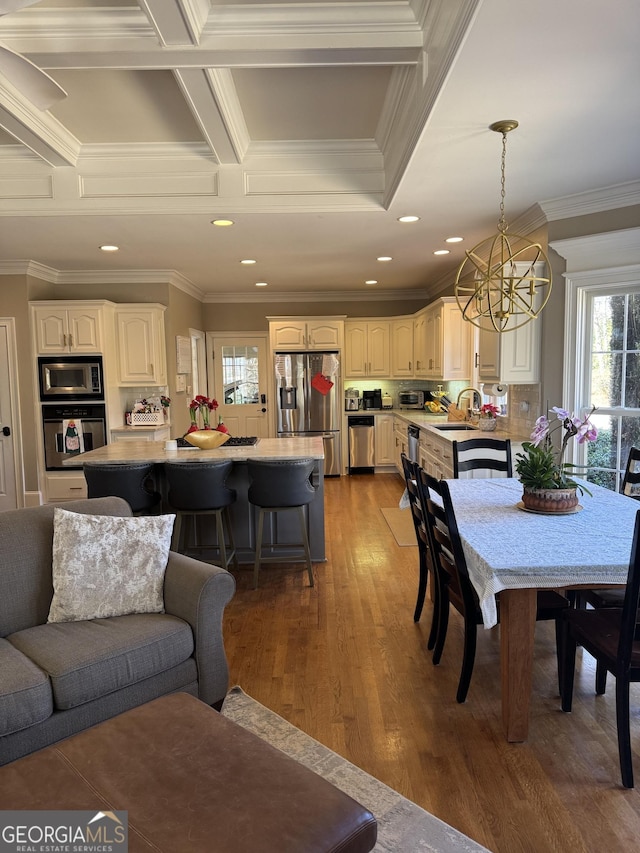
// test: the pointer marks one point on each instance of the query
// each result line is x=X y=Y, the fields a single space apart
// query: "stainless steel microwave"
x=72 y=377
x=411 y=399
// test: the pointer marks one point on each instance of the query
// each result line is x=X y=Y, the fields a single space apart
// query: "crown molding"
x=174 y=278
x=31 y=268
x=599 y=251
x=592 y=201
x=370 y=295
x=101 y=277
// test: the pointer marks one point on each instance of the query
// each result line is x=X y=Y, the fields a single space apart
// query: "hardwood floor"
x=345 y=663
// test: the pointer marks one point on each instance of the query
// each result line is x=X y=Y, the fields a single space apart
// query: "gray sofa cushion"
x=25 y=692
x=86 y=660
x=26 y=541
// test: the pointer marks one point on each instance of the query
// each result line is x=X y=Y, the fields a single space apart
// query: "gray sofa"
x=59 y=678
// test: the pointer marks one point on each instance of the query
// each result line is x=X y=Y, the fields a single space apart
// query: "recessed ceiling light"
x=441 y=252
x=261 y=284
x=247 y=261
x=384 y=258
x=408 y=218
x=107 y=248
x=222 y=223
x=371 y=281
x=454 y=240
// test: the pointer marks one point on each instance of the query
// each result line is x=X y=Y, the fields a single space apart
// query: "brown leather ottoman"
x=193 y=781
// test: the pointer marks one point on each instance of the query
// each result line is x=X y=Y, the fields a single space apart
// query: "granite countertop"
x=154 y=451
x=430 y=422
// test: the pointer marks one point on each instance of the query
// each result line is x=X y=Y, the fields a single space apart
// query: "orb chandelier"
x=504 y=281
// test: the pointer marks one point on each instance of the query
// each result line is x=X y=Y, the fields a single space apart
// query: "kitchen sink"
x=463 y=427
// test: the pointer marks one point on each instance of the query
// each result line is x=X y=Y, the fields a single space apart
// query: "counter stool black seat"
x=276 y=486
x=132 y=481
x=197 y=489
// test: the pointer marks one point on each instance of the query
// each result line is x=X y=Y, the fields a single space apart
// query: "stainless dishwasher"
x=361 y=447
x=413 y=443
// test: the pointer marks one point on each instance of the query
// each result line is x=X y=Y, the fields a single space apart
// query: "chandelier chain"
x=502 y=223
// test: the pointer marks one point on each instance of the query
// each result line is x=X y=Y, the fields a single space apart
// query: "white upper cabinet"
x=367 y=348
x=402 y=350
x=511 y=356
x=448 y=341
x=420 y=358
x=311 y=333
x=140 y=344
x=68 y=327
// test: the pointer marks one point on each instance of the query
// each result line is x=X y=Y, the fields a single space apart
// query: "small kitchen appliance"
x=70 y=377
x=372 y=399
x=411 y=399
x=387 y=401
x=351 y=400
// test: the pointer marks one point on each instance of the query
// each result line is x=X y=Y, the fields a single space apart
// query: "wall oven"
x=71 y=377
x=71 y=429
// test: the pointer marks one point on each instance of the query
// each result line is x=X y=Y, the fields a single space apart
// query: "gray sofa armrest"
x=198 y=593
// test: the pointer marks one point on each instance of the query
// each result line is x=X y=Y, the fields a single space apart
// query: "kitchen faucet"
x=475 y=394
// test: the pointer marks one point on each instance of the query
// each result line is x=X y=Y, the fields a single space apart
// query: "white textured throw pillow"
x=107 y=565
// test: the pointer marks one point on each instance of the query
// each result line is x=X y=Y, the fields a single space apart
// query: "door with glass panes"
x=238 y=366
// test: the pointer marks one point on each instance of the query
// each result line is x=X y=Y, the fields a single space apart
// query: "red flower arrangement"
x=204 y=406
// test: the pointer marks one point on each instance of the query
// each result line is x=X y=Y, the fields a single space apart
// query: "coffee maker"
x=372 y=399
x=351 y=399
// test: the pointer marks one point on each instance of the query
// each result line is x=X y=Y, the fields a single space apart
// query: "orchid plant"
x=541 y=465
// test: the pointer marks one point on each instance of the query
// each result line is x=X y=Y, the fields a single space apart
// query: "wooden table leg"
x=517 y=625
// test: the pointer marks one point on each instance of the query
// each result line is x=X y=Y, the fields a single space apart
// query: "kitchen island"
x=269 y=449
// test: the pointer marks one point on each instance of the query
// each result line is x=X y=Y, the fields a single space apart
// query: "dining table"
x=515 y=552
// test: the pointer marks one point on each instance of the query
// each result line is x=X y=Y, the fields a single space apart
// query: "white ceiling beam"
x=37 y=130
x=237 y=36
x=178 y=22
x=212 y=99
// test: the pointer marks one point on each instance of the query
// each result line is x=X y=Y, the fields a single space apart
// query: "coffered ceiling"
x=313 y=126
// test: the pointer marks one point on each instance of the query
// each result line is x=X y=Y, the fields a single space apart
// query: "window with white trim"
x=612 y=381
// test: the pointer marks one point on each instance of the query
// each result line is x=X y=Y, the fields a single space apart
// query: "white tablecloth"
x=508 y=548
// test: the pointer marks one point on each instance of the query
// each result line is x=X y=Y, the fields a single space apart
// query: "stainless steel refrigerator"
x=308 y=400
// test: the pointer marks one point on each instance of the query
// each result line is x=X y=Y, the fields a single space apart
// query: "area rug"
x=401 y=524
x=403 y=827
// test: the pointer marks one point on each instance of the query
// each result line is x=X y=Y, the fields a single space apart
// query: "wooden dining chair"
x=424 y=548
x=613 y=597
x=482 y=454
x=631 y=480
x=455 y=586
x=609 y=635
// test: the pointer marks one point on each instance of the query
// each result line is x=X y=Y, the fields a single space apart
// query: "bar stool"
x=196 y=489
x=132 y=481
x=277 y=486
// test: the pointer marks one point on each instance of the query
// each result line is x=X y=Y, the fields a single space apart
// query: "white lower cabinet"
x=400 y=443
x=383 y=440
x=161 y=433
x=66 y=487
x=435 y=455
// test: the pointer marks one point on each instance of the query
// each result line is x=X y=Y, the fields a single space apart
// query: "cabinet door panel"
x=51 y=331
x=378 y=349
x=84 y=331
x=355 y=350
x=402 y=348
x=288 y=335
x=321 y=335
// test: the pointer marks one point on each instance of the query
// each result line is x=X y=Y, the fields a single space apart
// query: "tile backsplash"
x=523 y=401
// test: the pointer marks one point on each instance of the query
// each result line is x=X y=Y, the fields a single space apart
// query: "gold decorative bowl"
x=206 y=439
